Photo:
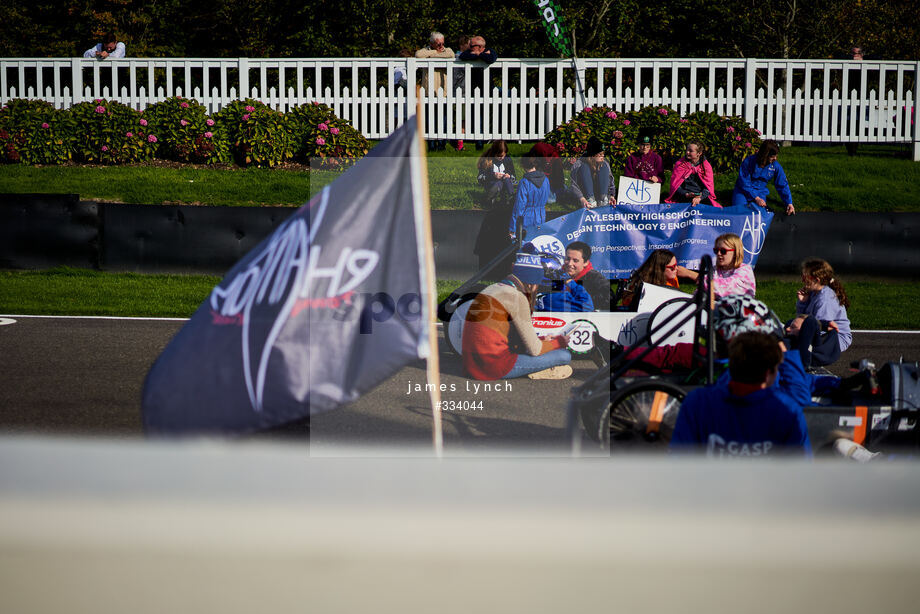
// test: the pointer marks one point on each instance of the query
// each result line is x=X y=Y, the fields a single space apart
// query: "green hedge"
x=179 y=129
x=727 y=140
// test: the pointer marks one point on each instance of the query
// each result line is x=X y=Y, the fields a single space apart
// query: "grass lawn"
x=66 y=291
x=880 y=178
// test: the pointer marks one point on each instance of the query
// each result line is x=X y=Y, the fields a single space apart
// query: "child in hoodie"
x=532 y=193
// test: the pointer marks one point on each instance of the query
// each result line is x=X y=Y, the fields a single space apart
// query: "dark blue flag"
x=320 y=312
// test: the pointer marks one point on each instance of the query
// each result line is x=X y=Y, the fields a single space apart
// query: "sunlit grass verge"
x=881 y=178
x=70 y=291
x=66 y=291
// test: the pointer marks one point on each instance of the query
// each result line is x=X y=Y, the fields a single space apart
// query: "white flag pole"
x=429 y=294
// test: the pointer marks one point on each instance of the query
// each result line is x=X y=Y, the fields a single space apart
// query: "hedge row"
x=107 y=132
x=727 y=140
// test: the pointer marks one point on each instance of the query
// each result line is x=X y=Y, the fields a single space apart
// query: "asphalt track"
x=83 y=376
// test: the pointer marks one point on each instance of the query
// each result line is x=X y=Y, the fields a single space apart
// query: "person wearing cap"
x=645 y=164
x=499 y=340
x=592 y=180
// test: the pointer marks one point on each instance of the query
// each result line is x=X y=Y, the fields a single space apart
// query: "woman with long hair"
x=592 y=179
x=756 y=171
x=496 y=173
x=692 y=180
x=659 y=269
x=821 y=330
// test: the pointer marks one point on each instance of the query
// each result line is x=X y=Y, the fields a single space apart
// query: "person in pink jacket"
x=692 y=179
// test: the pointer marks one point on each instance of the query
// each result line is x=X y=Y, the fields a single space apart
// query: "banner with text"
x=622 y=237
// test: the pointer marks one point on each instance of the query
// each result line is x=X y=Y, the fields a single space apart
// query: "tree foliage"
x=367 y=28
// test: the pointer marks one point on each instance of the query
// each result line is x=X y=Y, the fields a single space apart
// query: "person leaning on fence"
x=108 y=48
x=645 y=163
x=482 y=57
x=692 y=180
x=463 y=44
x=756 y=172
x=435 y=51
x=499 y=340
x=532 y=195
x=592 y=179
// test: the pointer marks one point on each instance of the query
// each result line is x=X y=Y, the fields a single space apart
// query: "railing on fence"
x=515 y=98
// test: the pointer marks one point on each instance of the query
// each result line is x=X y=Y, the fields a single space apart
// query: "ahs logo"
x=752 y=235
x=263 y=295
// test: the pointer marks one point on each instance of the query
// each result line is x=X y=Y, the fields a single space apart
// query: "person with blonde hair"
x=821 y=330
x=731 y=274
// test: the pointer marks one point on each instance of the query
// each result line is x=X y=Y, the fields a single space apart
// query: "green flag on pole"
x=555 y=27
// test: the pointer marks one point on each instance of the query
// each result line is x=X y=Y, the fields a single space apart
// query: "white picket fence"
x=794 y=100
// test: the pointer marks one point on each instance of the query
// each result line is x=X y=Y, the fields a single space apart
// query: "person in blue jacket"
x=745 y=415
x=756 y=171
x=531 y=197
x=571 y=297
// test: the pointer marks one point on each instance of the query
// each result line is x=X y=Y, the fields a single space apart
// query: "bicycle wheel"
x=644 y=412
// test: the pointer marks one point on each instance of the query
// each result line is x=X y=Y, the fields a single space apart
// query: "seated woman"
x=731 y=275
x=592 y=180
x=645 y=164
x=498 y=325
x=692 y=179
x=660 y=269
x=756 y=171
x=496 y=173
x=821 y=331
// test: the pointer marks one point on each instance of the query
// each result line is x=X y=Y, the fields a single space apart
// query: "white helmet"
x=740 y=313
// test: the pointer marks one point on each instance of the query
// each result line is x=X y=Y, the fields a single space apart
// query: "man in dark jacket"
x=579 y=268
x=478 y=53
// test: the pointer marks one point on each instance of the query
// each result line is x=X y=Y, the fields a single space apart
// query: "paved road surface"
x=84 y=376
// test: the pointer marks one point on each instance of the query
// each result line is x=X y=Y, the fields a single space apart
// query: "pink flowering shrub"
x=112 y=135
x=106 y=132
x=180 y=125
x=727 y=140
x=34 y=132
x=324 y=140
x=258 y=135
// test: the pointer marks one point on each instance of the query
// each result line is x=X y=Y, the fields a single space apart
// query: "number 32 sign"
x=637 y=192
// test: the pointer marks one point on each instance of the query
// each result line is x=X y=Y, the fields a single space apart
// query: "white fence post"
x=911 y=115
x=243 y=66
x=411 y=80
x=76 y=75
x=750 y=83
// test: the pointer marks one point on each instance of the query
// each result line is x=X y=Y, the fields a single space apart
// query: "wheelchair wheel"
x=642 y=413
x=668 y=312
